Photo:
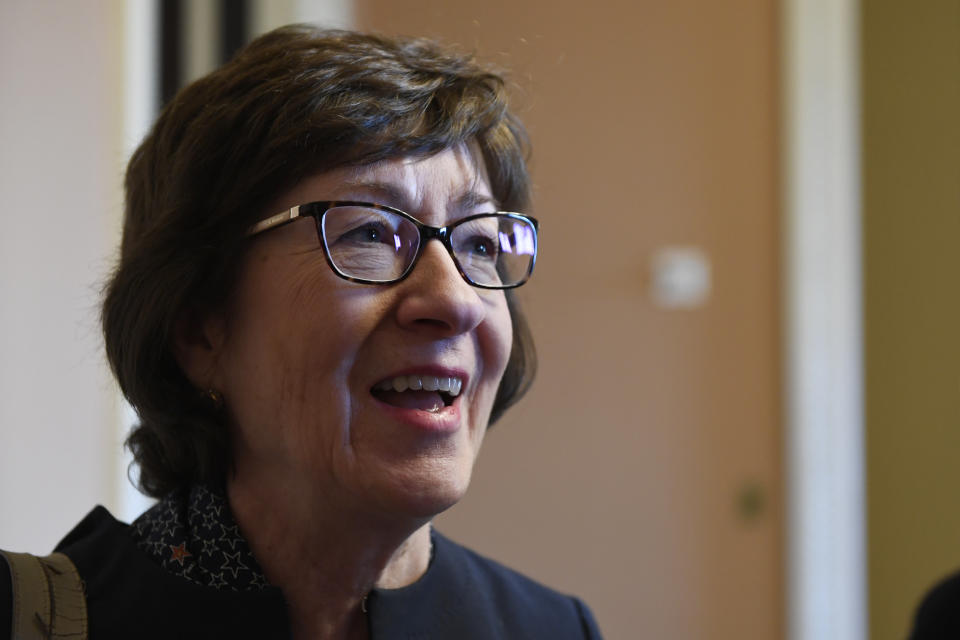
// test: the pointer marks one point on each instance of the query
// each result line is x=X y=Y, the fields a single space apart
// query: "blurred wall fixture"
x=680 y=277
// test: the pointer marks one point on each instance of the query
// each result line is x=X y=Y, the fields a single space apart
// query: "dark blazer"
x=462 y=596
x=938 y=616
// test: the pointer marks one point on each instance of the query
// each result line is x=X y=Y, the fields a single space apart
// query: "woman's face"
x=302 y=352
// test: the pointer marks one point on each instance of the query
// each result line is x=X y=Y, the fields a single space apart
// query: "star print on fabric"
x=169 y=515
x=230 y=536
x=179 y=552
x=259 y=581
x=209 y=547
x=192 y=534
x=170 y=528
x=233 y=563
x=218 y=582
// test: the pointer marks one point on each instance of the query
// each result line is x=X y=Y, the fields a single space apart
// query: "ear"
x=197 y=343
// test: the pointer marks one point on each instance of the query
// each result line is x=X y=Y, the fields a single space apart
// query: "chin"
x=429 y=493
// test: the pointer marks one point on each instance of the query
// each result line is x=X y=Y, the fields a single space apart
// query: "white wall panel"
x=61 y=156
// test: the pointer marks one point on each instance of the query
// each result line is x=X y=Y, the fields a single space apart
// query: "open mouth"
x=424 y=393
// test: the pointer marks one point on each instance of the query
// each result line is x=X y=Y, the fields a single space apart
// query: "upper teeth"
x=451 y=386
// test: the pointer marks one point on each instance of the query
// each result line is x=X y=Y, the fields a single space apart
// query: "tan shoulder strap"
x=48 y=598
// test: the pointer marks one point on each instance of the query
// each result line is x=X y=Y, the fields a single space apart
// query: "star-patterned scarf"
x=192 y=534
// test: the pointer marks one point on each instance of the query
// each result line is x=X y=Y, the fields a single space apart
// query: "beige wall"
x=60 y=167
x=911 y=143
x=618 y=478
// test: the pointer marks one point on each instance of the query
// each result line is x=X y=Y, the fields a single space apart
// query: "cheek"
x=293 y=338
x=299 y=312
x=496 y=340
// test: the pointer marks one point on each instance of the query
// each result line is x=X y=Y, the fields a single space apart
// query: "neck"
x=318 y=553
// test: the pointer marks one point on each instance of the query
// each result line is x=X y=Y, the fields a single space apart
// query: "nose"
x=437 y=298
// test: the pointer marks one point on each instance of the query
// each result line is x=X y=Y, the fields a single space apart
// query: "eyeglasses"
x=376 y=244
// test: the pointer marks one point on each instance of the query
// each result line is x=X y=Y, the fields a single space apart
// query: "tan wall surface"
x=654 y=123
x=61 y=162
x=911 y=134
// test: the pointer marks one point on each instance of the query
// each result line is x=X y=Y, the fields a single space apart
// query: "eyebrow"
x=394 y=196
x=470 y=199
x=382 y=192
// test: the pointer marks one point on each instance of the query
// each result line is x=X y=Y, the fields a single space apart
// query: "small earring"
x=215 y=398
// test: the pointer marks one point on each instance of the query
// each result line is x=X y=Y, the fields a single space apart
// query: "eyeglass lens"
x=379 y=246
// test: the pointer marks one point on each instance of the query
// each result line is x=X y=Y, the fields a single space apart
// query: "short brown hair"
x=294 y=102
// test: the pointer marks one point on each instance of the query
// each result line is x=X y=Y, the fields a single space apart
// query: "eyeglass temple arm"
x=275 y=220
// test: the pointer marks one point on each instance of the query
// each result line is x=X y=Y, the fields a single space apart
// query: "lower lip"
x=444 y=421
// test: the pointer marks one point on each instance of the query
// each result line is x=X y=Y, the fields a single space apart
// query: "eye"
x=483 y=246
x=370 y=232
x=477 y=240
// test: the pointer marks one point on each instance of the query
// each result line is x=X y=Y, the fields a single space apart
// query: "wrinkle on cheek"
x=305 y=284
x=500 y=328
x=314 y=422
x=321 y=380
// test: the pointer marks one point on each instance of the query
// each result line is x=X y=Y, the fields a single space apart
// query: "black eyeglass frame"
x=317 y=210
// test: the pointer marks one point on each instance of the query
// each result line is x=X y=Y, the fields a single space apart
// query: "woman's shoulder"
x=97 y=519
x=472 y=596
x=938 y=616
x=498 y=578
x=128 y=595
